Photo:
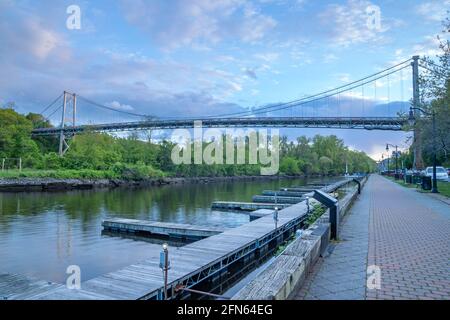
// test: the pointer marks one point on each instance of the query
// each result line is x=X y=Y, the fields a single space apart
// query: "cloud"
x=434 y=10
x=267 y=57
x=117 y=105
x=347 y=24
x=250 y=73
x=329 y=57
x=177 y=23
x=429 y=46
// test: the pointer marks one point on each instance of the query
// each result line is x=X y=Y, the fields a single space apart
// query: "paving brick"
x=403 y=232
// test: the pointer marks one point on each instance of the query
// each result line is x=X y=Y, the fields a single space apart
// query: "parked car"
x=448 y=171
x=441 y=173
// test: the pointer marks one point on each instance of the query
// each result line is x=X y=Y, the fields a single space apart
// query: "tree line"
x=103 y=155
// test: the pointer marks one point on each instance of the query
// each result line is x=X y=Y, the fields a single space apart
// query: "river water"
x=41 y=234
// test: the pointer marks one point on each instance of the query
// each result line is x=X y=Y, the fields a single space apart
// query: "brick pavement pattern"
x=405 y=233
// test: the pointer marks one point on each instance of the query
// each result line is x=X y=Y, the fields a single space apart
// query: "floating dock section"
x=282 y=193
x=246 y=206
x=173 y=230
x=260 y=213
x=277 y=199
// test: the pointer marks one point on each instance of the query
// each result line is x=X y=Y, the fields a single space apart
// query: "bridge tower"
x=68 y=118
x=417 y=143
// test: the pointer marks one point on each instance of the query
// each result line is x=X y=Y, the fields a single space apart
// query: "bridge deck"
x=367 y=123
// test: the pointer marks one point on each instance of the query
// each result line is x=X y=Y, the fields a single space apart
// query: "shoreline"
x=53 y=184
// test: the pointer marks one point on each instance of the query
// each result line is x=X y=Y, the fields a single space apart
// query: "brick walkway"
x=405 y=233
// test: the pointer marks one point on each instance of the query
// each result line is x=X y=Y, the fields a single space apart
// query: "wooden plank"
x=178 y=230
x=277 y=199
x=245 y=206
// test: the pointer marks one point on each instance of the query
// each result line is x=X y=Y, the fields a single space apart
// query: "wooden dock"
x=277 y=199
x=190 y=264
x=172 y=230
x=246 y=206
x=299 y=189
x=282 y=193
x=260 y=213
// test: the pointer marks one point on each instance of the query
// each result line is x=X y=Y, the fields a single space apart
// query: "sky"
x=177 y=58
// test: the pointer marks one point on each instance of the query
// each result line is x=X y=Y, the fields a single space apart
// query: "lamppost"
x=396 y=158
x=382 y=162
x=388 y=164
x=412 y=122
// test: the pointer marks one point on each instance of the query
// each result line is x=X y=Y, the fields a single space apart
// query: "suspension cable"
x=51 y=104
x=319 y=94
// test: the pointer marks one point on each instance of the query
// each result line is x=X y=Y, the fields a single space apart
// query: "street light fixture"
x=396 y=158
x=412 y=122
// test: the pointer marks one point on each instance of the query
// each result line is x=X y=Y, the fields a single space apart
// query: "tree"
x=435 y=97
x=15 y=137
x=325 y=165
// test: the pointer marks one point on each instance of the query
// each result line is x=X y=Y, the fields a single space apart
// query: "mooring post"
x=332 y=204
x=359 y=185
x=164 y=264
x=307 y=204
x=275 y=217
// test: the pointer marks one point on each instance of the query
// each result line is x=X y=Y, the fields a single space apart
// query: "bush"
x=137 y=171
x=52 y=161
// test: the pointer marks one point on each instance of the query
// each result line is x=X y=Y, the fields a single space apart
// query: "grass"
x=315 y=214
x=81 y=174
x=443 y=187
x=58 y=174
x=317 y=211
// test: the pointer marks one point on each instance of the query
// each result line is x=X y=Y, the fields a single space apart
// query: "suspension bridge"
x=299 y=113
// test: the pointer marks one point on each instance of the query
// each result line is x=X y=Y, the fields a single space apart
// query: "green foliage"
x=435 y=97
x=15 y=136
x=321 y=155
x=317 y=211
x=289 y=166
x=102 y=155
x=137 y=171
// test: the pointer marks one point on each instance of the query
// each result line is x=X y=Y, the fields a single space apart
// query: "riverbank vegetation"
x=434 y=98
x=100 y=155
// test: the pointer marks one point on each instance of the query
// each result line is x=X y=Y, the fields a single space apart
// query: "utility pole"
x=417 y=162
